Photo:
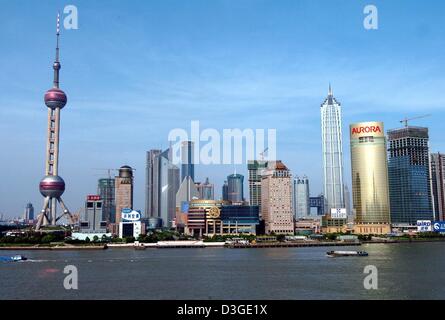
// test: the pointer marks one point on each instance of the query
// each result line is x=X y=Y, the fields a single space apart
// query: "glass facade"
x=255 y=169
x=438 y=184
x=301 y=198
x=235 y=188
x=187 y=159
x=332 y=147
x=409 y=175
x=370 y=192
x=106 y=192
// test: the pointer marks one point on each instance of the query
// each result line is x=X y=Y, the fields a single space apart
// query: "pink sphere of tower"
x=52 y=186
x=55 y=98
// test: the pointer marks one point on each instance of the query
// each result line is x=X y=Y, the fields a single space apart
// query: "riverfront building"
x=276 y=199
x=301 y=198
x=255 y=168
x=106 y=191
x=438 y=184
x=211 y=217
x=409 y=176
x=370 y=190
x=124 y=191
x=161 y=186
x=332 y=147
x=92 y=221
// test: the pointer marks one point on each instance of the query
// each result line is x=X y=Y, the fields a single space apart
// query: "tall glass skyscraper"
x=369 y=171
x=187 y=160
x=332 y=146
x=301 y=195
x=162 y=184
x=106 y=190
x=235 y=187
x=409 y=175
x=438 y=184
x=255 y=168
x=225 y=191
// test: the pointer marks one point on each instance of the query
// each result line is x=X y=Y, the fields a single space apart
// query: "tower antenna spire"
x=57 y=65
x=330 y=90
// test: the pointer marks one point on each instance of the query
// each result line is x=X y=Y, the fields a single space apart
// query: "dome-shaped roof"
x=55 y=98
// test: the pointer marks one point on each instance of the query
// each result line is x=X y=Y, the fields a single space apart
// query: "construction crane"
x=262 y=153
x=405 y=121
x=109 y=170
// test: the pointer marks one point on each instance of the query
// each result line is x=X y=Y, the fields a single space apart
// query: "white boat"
x=347 y=254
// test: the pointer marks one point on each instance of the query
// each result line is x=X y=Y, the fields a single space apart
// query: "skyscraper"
x=438 y=184
x=52 y=186
x=206 y=190
x=152 y=183
x=332 y=146
x=187 y=160
x=255 y=168
x=124 y=191
x=29 y=212
x=409 y=176
x=235 y=187
x=162 y=184
x=301 y=195
x=106 y=191
x=370 y=178
x=92 y=219
x=276 y=199
x=225 y=191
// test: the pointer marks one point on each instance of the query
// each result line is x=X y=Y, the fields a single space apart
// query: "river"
x=405 y=271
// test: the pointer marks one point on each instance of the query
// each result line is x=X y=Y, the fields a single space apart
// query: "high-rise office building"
x=124 y=191
x=29 y=212
x=409 y=176
x=332 y=146
x=438 y=184
x=206 y=190
x=255 y=168
x=235 y=187
x=106 y=191
x=276 y=199
x=187 y=160
x=348 y=206
x=161 y=186
x=225 y=191
x=152 y=183
x=92 y=220
x=301 y=198
x=370 y=178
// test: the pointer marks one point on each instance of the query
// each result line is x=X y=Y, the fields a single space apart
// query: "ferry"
x=347 y=254
x=12 y=258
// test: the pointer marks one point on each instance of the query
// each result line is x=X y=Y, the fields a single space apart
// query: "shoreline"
x=200 y=244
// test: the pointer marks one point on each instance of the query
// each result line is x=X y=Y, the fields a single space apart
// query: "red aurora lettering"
x=368 y=129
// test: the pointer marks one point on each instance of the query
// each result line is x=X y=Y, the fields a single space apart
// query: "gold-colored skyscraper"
x=370 y=178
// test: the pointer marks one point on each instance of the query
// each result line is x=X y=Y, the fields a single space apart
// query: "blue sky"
x=134 y=70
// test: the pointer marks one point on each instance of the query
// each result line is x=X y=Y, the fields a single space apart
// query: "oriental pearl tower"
x=52 y=185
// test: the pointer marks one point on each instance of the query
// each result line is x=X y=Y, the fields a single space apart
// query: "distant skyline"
x=134 y=70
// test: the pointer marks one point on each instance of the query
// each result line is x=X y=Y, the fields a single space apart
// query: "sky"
x=134 y=70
